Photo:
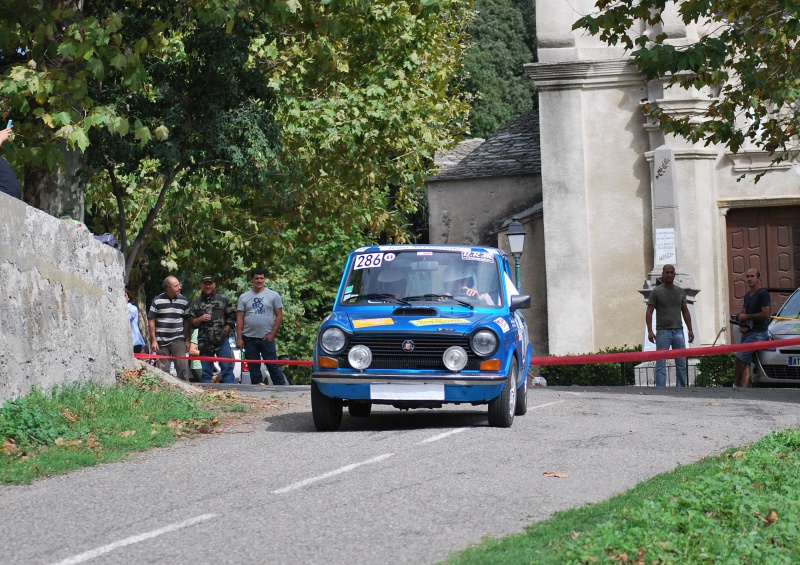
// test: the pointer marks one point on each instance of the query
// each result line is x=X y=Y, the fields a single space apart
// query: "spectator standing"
x=753 y=323
x=169 y=327
x=195 y=367
x=133 y=318
x=259 y=315
x=668 y=301
x=8 y=180
x=214 y=316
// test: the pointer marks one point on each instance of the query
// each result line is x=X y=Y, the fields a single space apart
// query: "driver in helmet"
x=459 y=280
x=392 y=282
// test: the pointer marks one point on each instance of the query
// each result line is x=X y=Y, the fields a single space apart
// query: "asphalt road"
x=397 y=487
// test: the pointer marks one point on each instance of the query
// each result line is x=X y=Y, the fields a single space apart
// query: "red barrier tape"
x=639 y=356
x=224 y=359
x=635 y=356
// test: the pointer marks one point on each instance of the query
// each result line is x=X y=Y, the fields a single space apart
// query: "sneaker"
x=735 y=387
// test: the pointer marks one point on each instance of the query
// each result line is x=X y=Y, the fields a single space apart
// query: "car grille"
x=387 y=352
x=779 y=372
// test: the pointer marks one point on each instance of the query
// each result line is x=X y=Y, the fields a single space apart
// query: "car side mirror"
x=520 y=301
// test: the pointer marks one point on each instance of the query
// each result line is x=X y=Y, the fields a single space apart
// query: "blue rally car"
x=420 y=326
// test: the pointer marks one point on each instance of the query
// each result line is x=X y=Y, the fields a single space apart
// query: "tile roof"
x=514 y=150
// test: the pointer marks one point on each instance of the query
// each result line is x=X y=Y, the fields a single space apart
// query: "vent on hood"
x=415 y=312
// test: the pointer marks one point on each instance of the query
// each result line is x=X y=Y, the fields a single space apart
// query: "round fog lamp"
x=360 y=357
x=455 y=358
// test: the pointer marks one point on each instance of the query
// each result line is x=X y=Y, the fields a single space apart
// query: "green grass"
x=740 y=507
x=53 y=432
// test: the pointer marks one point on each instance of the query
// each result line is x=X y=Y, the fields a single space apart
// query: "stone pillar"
x=596 y=199
x=668 y=238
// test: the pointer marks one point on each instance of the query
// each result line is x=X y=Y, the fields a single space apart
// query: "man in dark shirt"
x=668 y=301
x=215 y=317
x=8 y=180
x=753 y=322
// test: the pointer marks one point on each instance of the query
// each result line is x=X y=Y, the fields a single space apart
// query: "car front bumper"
x=772 y=366
x=409 y=389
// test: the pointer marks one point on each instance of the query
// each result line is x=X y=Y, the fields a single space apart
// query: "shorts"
x=751 y=337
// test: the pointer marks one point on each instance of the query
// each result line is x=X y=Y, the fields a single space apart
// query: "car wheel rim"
x=512 y=394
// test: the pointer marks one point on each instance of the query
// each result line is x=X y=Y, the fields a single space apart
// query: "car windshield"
x=791 y=309
x=468 y=278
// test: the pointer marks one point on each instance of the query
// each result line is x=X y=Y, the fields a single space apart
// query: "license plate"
x=793 y=362
x=411 y=391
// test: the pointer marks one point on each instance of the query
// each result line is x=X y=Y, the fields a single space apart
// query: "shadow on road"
x=385 y=419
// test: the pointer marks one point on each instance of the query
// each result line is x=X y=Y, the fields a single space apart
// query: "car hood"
x=443 y=322
x=784 y=329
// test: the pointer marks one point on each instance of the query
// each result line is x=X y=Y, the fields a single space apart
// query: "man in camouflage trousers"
x=215 y=317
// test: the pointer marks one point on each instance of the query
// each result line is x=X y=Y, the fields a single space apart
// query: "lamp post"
x=516 y=241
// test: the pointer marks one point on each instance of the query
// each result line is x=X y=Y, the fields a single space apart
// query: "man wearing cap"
x=214 y=317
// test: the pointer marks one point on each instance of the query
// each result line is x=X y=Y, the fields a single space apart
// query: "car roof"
x=431 y=247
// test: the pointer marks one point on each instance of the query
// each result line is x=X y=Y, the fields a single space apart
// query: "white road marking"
x=547 y=404
x=91 y=554
x=442 y=436
x=339 y=471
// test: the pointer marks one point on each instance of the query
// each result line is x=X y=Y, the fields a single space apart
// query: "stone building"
x=619 y=198
x=480 y=187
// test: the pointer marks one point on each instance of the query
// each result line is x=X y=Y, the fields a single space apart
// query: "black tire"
x=327 y=411
x=359 y=408
x=522 y=398
x=502 y=408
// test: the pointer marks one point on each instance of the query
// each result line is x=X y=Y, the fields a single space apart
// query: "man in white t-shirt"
x=259 y=314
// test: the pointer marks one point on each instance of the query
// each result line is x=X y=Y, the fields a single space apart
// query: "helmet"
x=457 y=273
x=392 y=281
x=391 y=275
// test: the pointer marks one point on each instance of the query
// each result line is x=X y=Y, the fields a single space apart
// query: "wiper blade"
x=439 y=297
x=383 y=297
x=427 y=297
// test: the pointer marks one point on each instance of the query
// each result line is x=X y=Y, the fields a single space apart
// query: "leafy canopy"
x=747 y=53
x=503 y=41
x=361 y=95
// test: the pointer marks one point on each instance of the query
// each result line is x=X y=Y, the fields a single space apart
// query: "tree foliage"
x=504 y=40
x=746 y=58
x=280 y=134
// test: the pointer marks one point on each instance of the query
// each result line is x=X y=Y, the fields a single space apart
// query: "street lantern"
x=516 y=241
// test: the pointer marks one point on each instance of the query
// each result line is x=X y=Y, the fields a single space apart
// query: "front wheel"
x=502 y=408
x=327 y=411
x=522 y=398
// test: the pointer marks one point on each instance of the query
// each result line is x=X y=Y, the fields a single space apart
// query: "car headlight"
x=333 y=340
x=455 y=358
x=484 y=343
x=360 y=357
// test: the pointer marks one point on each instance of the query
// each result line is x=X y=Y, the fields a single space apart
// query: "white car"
x=781 y=365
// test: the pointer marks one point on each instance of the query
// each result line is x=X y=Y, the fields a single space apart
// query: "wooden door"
x=767 y=239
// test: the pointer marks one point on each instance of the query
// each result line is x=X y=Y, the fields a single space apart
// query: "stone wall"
x=62 y=305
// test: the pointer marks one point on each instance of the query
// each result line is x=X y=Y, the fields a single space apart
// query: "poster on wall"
x=665 y=246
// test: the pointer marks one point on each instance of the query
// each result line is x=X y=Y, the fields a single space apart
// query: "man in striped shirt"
x=168 y=319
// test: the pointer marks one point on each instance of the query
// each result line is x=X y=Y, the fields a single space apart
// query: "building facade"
x=621 y=199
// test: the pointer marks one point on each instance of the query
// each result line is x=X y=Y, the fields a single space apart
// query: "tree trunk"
x=59 y=193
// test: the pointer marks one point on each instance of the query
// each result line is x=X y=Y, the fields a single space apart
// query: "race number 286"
x=368 y=260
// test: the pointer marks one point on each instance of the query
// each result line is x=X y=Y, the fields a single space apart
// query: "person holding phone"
x=8 y=179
